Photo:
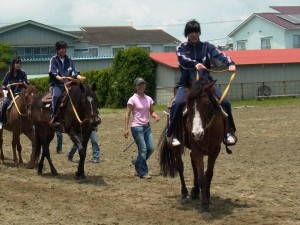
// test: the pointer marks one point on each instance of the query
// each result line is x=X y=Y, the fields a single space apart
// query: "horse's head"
x=90 y=104
x=199 y=108
x=28 y=95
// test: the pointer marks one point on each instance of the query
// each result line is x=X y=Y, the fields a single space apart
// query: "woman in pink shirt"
x=140 y=106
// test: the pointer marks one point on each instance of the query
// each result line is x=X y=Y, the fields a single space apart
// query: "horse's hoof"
x=79 y=177
x=39 y=173
x=54 y=174
x=206 y=215
x=185 y=199
x=195 y=193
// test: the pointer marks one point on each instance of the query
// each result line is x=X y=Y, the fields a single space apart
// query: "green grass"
x=250 y=102
x=267 y=102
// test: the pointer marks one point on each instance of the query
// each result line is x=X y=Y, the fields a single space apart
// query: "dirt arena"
x=258 y=184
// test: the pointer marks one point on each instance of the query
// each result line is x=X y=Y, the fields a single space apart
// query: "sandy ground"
x=258 y=184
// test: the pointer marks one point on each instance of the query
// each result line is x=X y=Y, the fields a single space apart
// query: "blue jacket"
x=190 y=55
x=56 y=67
x=9 y=79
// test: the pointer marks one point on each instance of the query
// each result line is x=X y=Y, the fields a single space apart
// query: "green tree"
x=6 y=54
x=129 y=64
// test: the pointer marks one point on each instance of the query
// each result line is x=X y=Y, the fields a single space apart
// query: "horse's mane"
x=196 y=90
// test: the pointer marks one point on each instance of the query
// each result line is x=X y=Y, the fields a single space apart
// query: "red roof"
x=240 y=57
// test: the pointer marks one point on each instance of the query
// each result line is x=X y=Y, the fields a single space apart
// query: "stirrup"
x=230 y=139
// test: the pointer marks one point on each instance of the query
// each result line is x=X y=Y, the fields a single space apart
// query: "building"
x=90 y=48
x=277 y=70
x=275 y=30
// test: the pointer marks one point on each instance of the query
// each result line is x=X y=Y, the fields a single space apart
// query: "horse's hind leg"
x=46 y=153
x=180 y=169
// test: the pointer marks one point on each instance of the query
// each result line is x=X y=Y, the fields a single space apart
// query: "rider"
x=61 y=67
x=193 y=55
x=14 y=75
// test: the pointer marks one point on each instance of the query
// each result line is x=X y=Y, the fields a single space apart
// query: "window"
x=146 y=47
x=241 y=45
x=296 y=41
x=116 y=49
x=265 y=43
x=93 y=52
x=169 y=48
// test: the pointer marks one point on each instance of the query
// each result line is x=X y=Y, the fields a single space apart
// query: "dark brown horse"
x=201 y=130
x=78 y=116
x=19 y=121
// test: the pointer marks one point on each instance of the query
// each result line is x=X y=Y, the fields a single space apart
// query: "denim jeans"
x=59 y=136
x=95 y=147
x=144 y=141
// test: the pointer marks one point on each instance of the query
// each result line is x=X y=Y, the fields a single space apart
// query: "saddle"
x=10 y=103
x=47 y=99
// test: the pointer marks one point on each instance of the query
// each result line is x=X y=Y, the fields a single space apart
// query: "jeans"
x=59 y=137
x=95 y=147
x=144 y=141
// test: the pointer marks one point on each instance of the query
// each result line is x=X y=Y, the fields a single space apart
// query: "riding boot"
x=229 y=127
x=54 y=121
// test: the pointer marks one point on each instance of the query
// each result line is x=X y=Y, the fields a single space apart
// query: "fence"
x=242 y=91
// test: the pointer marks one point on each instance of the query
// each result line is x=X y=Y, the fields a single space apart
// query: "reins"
x=13 y=97
x=228 y=85
x=73 y=107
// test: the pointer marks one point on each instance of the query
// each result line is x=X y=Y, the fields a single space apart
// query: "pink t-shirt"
x=140 y=110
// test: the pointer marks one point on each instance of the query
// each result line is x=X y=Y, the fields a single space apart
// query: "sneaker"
x=95 y=161
x=146 y=177
x=1 y=126
x=230 y=139
x=173 y=141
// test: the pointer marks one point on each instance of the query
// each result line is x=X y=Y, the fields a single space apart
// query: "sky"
x=217 y=18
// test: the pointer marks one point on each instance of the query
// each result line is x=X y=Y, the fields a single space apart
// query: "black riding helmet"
x=60 y=44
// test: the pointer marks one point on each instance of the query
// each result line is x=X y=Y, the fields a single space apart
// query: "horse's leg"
x=15 y=144
x=46 y=153
x=210 y=172
x=1 y=147
x=41 y=162
x=80 y=174
x=195 y=192
x=180 y=169
x=30 y=135
x=198 y=161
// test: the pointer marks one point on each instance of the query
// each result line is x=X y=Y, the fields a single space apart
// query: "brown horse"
x=201 y=130
x=19 y=121
x=78 y=116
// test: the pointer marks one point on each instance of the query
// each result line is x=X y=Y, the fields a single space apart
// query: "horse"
x=202 y=130
x=19 y=121
x=78 y=116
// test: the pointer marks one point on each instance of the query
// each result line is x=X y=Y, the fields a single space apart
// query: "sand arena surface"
x=258 y=184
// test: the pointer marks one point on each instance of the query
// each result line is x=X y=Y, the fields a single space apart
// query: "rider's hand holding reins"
x=232 y=68
x=200 y=66
x=80 y=77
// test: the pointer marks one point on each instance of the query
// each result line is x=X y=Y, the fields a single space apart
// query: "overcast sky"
x=218 y=18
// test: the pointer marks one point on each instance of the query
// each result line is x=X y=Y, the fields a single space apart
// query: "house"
x=275 y=69
x=90 y=48
x=275 y=30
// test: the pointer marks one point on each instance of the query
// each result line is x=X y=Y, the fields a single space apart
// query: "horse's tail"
x=167 y=159
x=35 y=154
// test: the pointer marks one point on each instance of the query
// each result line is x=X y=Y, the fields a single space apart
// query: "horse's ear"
x=94 y=87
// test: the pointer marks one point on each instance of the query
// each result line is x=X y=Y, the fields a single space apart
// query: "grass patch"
x=267 y=102
x=249 y=102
